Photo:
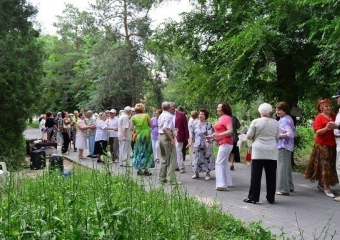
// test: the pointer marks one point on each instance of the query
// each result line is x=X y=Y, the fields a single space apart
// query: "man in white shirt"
x=112 y=122
x=124 y=137
x=336 y=126
x=167 y=145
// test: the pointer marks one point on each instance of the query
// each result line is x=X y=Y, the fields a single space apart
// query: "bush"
x=94 y=205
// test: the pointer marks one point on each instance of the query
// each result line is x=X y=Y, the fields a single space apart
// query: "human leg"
x=283 y=171
x=179 y=155
x=223 y=175
x=255 y=180
x=270 y=170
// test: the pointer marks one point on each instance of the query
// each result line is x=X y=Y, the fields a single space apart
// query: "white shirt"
x=164 y=118
x=337 y=121
x=112 y=123
x=124 y=122
x=101 y=133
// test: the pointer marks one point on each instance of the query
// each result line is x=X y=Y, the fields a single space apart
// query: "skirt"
x=100 y=147
x=322 y=166
x=81 y=142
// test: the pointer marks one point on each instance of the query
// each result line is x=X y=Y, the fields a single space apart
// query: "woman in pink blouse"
x=223 y=131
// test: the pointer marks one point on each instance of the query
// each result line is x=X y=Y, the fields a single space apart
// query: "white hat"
x=113 y=111
x=127 y=108
x=132 y=109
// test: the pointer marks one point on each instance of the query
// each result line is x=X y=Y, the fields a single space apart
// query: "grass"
x=94 y=205
x=34 y=124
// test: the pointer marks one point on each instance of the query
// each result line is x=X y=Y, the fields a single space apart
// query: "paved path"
x=306 y=208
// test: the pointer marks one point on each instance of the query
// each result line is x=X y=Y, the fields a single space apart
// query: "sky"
x=48 y=9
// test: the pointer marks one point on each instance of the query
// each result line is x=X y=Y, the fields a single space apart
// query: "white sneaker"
x=195 y=176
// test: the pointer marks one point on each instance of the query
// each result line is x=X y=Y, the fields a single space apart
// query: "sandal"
x=147 y=173
x=140 y=173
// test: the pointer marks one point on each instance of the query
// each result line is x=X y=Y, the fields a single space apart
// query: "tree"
x=249 y=49
x=20 y=73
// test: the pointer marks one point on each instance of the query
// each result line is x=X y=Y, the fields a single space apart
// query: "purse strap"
x=142 y=123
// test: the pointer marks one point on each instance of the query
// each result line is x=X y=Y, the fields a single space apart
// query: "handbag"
x=134 y=135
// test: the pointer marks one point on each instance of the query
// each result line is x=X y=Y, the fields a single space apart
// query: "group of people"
x=167 y=136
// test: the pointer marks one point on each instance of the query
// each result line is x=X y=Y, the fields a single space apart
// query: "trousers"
x=223 y=174
x=257 y=166
x=167 y=163
x=284 y=171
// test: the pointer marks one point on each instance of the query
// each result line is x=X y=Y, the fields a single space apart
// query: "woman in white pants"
x=154 y=136
x=223 y=131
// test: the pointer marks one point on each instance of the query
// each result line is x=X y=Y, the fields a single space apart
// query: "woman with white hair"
x=264 y=132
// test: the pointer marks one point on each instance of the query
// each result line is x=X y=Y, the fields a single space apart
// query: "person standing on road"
x=167 y=145
x=154 y=136
x=92 y=122
x=285 y=147
x=124 y=137
x=81 y=142
x=142 y=152
x=193 y=119
x=336 y=127
x=65 y=129
x=112 y=122
x=264 y=132
x=204 y=159
x=223 y=132
x=322 y=163
x=74 y=128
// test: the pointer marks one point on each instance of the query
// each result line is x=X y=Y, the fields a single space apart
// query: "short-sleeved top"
x=81 y=124
x=112 y=123
x=91 y=122
x=220 y=127
x=49 y=122
x=101 y=132
x=265 y=132
x=328 y=137
x=124 y=122
x=163 y=120
x=286 y=125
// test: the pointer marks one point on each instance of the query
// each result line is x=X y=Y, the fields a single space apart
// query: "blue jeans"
x=91 y=144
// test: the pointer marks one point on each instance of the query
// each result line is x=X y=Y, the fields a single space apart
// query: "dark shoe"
x=75 y=149
x=249 y=201
x=231 y=167
x=177 y=169
x=94 y=156
x=271 y=202
x=100 y=161
x=89 y=156
x=147 y=173
x=140 y=173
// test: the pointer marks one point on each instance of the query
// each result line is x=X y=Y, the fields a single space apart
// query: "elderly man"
x=112 y=122
x=336 y=126
x=124 y=137
x=91 y=122
x=182 y=134
x=74 y=128
x=167 y=145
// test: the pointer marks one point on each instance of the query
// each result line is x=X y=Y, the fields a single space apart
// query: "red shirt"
x=328 y=137
x=220 y=127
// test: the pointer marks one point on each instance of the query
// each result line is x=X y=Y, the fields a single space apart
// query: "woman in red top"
x=223 y=131
x=321 y=165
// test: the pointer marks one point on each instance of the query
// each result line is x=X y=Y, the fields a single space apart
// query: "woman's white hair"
x=265 y=109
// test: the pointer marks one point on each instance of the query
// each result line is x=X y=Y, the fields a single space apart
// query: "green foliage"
x=20 y=73
x=94 y=205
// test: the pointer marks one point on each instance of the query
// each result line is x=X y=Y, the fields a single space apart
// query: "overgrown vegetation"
x=94 y=205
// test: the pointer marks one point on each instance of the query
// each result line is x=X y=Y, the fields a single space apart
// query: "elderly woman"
x=193 y=119
x=264 y=132
x=204 y=160
x=100 y=144
x=321 y=166
x=143 y=158
x=81 y=142
x=223 y=132
x=285 y=147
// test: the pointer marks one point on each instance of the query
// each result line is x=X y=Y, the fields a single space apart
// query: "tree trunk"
x=286 y=87
x=128 y=42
